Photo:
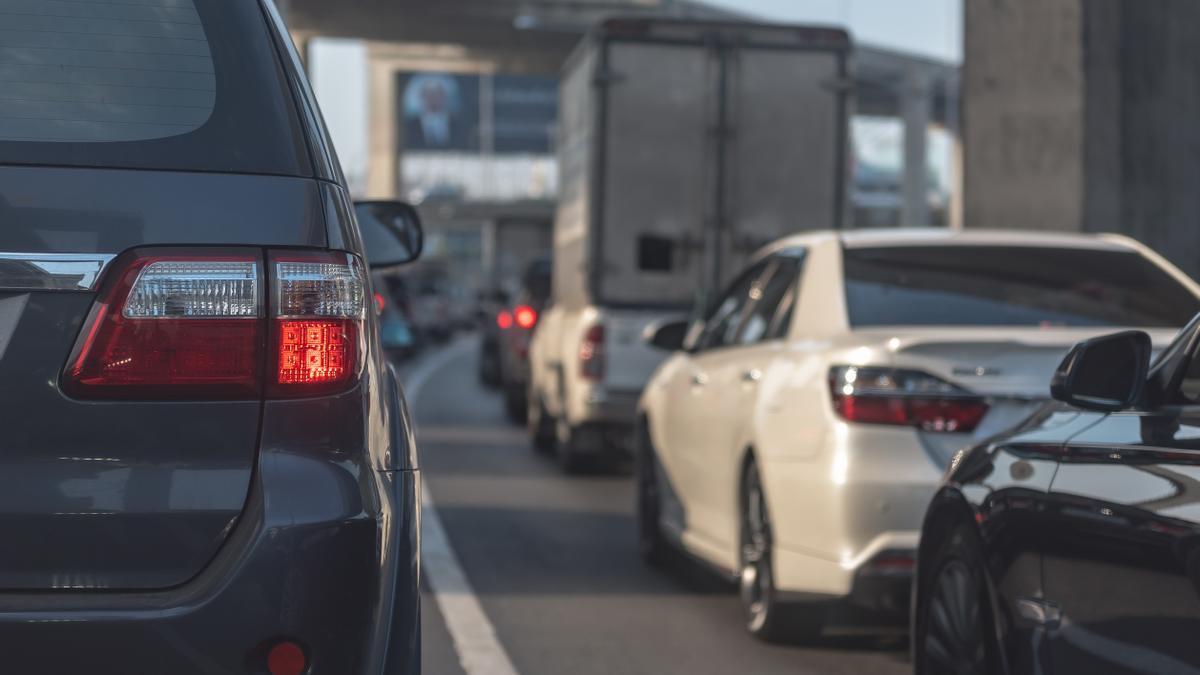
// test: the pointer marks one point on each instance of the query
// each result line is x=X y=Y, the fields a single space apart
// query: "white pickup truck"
x=684 y=146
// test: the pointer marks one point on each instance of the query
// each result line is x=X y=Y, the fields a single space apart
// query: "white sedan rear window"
x=1011 y=286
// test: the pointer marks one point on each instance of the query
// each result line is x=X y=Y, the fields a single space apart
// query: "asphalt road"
x=552 y=561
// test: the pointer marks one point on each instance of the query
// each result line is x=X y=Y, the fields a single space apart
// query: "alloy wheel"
x=756 y=579
x=954 y=642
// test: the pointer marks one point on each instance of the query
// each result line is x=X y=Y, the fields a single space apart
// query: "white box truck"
x=684 y=146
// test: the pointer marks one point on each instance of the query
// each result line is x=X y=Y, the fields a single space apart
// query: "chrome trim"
x=51 y=271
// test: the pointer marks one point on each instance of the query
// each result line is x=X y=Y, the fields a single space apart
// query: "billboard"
x=501 y=114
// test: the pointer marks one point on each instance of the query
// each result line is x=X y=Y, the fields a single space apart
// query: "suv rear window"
x=1011 y=286
x=148 y=84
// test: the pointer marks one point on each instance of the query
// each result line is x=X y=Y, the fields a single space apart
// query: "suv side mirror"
x=666 y=335
x=392 y=232
x=1106 y=373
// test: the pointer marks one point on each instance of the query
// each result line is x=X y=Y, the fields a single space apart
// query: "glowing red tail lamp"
x=525 y=316
x=193 y=324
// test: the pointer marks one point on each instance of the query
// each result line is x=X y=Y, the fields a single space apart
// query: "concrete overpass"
x=535 y=37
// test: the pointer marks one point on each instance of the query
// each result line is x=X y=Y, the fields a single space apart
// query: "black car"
x=206 y=464
x=516 y=330
x=1072 y=543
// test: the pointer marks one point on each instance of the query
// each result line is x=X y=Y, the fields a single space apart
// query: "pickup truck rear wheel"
x=567 y=450
x=540 y=424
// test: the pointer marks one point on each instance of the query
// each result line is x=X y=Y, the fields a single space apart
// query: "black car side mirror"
x=392 y=232
x=666 y=335
x=1106 y=373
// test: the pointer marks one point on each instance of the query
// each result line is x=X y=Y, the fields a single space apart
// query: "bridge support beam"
x=916 y=112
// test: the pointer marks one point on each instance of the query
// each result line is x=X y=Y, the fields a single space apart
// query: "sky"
x=926 y=27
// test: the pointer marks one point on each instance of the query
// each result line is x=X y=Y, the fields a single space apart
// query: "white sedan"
x=795 y=438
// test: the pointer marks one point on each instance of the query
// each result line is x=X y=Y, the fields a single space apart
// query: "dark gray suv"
x=206 y=464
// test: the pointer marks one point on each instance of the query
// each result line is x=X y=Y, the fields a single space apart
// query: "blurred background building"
x=1074 y=114
x=452 y=104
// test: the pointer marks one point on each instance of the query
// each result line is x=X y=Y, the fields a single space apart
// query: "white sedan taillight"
x=192 y=324
x=896 y=396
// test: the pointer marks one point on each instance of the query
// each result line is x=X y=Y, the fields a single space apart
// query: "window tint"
x=173 y=84
x=767 y=298
x=1011 y=286
x=722 y=322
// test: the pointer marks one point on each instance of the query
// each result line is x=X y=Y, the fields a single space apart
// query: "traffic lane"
x=554 y=562
x=437 y=648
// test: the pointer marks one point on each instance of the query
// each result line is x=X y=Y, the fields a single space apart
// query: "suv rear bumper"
x=325 y=555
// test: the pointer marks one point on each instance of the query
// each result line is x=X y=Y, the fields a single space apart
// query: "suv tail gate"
x=166 y=124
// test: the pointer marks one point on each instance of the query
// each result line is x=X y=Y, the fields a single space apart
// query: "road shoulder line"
x=475 y=641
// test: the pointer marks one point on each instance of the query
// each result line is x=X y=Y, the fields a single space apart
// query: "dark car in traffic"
x=207 y=464
x=508 y=327
x=517 y=325
x=1071 y=544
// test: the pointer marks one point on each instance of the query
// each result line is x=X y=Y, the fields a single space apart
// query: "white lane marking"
x=479 y=650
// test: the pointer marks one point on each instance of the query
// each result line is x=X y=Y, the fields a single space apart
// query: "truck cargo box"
x=686 y=145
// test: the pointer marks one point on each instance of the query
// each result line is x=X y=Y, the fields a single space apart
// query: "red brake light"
x=318 y=307
x=525 y=316
x=380 y=303
x=504 y=319
x=592 y=363
x=893 y=563
x=286 y=658
x=191 y=324
x=903 y=397
x=315 y=352
x=174 y=325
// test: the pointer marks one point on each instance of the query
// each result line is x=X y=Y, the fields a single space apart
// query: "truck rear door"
x=785 y=148
x=657 y=177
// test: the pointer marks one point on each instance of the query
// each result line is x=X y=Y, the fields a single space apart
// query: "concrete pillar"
x=950 y=92
x=383 y=150
x=916 y=111
x=1023 y=103
x=489 y=240
x=1080 y=115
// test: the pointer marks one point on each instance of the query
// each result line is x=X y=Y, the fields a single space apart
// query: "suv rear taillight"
x=903 y=397
x=592 y=363
x=192 y=324
x=319 y=304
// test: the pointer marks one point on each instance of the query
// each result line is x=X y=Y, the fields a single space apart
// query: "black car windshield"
x=1011 y=286
x=153 y=84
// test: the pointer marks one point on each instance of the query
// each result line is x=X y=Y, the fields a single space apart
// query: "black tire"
x=652 y=546
x=515 y=405
x=954 y=629
x=540 y=425
x=566 y=449
x=766 y=617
